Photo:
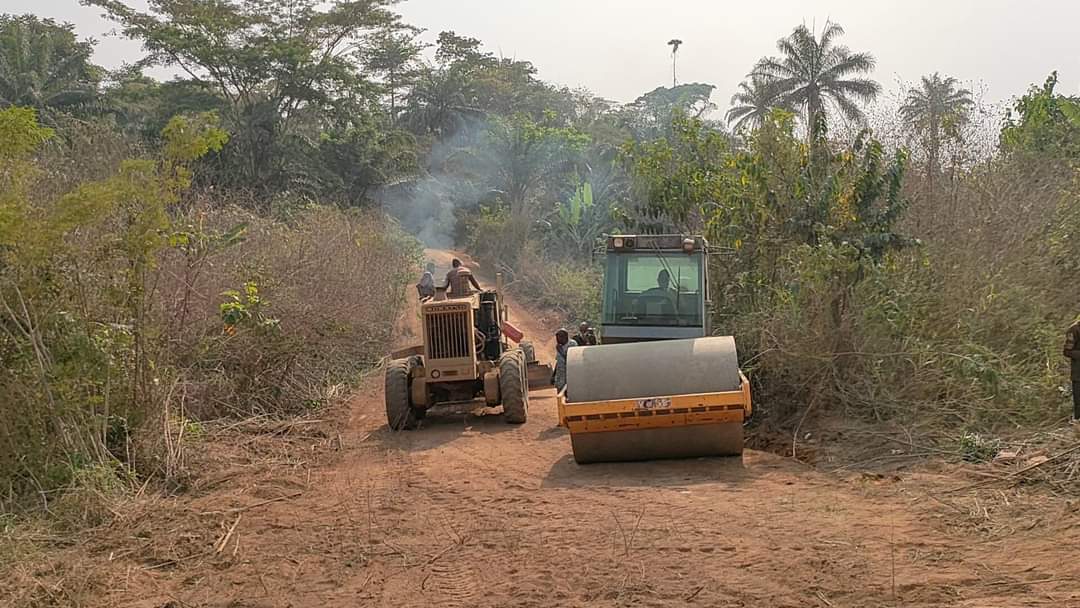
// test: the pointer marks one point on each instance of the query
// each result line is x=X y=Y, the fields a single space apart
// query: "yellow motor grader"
x=465 y=355
x=659 y=385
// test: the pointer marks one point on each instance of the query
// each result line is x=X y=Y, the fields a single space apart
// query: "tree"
x=520 y=155
x=395 y=55
x=1043 y=122
x=440 y=103
x=275 y=63
x=812 y=72
x=650 y=116
x=467 y=85
x=936 y=110
x=143 y=105
x=752 y=104
x=43 y=65
x=674 y=43
x=677 y=179
x=351 y=161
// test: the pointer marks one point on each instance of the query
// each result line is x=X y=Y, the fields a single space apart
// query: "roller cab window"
x=654 y=289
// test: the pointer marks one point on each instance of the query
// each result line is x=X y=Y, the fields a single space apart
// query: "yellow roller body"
x=652 y=400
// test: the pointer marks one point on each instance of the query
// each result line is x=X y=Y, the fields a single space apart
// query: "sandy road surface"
x=470 y=511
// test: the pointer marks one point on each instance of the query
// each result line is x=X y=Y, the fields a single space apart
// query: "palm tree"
x=441 y=102
x=752 y=104
x=674 y=43
x=936 y=110
x=43 y=65
x=814 y=71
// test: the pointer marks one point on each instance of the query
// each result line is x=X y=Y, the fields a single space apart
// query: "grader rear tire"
x=514 y=387
x=400 y=414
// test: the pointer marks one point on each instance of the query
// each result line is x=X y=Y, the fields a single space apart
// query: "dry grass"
x=329 y=285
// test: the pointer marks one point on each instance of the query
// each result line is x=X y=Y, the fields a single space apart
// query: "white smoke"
x=453 y=178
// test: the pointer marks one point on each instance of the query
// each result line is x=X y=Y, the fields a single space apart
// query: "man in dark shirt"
x=585 y=335
x=1072 y=351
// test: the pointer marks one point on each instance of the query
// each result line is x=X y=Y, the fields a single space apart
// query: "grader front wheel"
x=514 y=387
x=400 y=414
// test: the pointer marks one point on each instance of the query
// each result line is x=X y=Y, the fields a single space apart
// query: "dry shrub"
x=548 y=279
x=328 y=284
x=570 y=288
x=317 y=296
x=962 y=334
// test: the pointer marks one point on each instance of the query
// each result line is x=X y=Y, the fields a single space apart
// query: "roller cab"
x=659 y=385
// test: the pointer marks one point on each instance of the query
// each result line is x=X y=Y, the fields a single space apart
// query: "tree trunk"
x=932 y=157
x=393 y=106
x=813 y=108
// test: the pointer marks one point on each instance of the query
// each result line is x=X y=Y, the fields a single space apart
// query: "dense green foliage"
x=43 y=65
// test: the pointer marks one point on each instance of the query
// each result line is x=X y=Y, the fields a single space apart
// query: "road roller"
x=659 y=384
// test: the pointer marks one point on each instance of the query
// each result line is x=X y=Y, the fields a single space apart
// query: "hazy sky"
x=617 y=48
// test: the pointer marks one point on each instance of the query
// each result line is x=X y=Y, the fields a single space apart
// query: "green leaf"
x=1071 y=109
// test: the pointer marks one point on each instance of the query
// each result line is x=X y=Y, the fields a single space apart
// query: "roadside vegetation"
x=156 y=278
x=235 y=242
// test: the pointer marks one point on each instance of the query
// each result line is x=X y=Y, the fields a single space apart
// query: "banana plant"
x=581 y=219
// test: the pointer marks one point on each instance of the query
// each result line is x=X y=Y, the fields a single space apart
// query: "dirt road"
x=470 y=511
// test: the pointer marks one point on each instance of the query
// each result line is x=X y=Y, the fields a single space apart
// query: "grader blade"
x=539 y=375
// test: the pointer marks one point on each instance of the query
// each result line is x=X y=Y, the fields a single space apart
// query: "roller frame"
x=673 y=413
x=701 y=408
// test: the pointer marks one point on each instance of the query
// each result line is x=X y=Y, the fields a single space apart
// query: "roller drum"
x=658 y=443
x=652 y=369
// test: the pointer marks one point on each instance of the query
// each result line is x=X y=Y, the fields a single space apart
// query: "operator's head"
x=562 y=337
x=456 y=263
x=584 y=327
x=431 y=266
x=663 y=279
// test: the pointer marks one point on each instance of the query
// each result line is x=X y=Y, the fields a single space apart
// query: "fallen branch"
x=1014 y=475
x=225 y=541
x=1036 y=582
x=435 y=558
x=252 y=506
x=694 y=594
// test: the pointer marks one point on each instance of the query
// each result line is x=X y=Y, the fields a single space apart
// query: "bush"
x=497 y=237
x=289 y=311
x=569 y=288
x=911 y=344
x=538 y=275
